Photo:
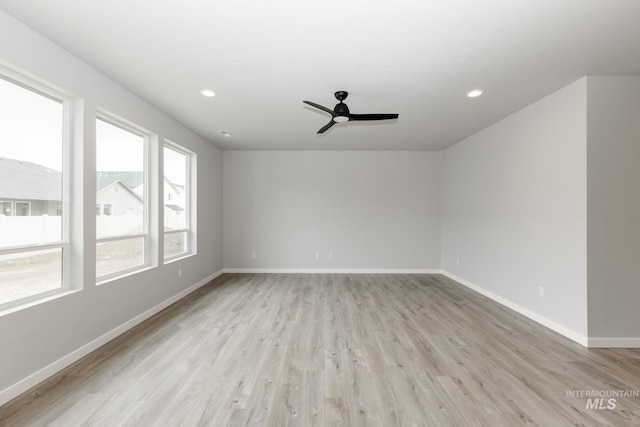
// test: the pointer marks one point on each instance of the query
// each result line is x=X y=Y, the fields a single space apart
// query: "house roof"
x=174 y=207
x=28 y=181
x=129 y=178
x=177 y=187
x=123 y=185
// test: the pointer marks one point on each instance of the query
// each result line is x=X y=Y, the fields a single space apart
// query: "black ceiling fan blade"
x=372 y=116
x=320 y=107
x=327 y=126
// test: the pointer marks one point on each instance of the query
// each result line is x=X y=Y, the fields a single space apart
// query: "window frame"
x=66 y=101
x=22 y=203
x=189 y=202
x=147 y=137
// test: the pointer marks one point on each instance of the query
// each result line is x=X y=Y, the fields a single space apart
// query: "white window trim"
x=128 y=126
x=65 y=99
x=189 y=202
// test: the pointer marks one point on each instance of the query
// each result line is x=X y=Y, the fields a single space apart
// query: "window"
x=105 y=209
x=6 y=208
x=33 y=241
x=121 y=211
x=178 y=184
x=23 y=209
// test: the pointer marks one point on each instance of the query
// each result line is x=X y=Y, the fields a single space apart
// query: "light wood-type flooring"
x=337 y=350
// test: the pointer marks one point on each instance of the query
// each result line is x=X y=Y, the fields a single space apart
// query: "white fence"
x=118 y=225
x=27 y=230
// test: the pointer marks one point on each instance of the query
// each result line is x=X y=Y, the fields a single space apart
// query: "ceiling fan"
x=341 y=114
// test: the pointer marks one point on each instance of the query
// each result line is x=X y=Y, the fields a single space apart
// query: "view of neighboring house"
x=29 y=189
x=173 y=198
x=119 y=193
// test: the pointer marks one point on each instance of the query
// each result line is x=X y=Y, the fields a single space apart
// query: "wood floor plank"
x=336 y=350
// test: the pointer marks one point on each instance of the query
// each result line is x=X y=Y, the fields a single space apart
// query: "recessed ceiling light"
x=208 y=93
x=474 y=93
x=225 y=133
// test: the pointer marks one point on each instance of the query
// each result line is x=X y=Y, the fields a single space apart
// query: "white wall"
x=614 y=210
x=372 y=210
x=44 y=337
x=514 y=211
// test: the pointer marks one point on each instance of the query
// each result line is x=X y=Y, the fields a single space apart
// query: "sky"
x=31 y=130
x=30 y=126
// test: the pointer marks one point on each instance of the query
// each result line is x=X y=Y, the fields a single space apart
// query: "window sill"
x=178 y=258
x=19 y=306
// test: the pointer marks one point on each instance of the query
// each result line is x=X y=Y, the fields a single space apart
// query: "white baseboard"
x=614 y=342
x=554 y=326
x=55 y=367
x=334 y=270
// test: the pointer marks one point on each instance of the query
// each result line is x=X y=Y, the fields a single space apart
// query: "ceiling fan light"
x=341 y=119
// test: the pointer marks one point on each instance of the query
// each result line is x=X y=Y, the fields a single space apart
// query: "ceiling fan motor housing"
x=341 y=109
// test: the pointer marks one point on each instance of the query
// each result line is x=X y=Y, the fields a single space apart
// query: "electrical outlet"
x=254 y=255
x=317 y=255
x=330 y=255
x=541 y=291
x=179 y=272
x=457 y=261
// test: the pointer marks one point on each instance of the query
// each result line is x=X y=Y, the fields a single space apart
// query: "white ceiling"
x=417 y=58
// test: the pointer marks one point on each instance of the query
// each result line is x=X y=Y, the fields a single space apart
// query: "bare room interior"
x=339 y=213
